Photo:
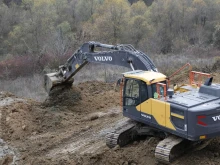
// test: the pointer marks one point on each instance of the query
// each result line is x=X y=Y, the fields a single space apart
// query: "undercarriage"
x=167 y=150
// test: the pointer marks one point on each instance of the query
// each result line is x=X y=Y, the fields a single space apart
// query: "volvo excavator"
x=184 y=118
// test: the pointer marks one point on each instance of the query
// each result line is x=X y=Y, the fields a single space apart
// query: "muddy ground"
x=70 y=127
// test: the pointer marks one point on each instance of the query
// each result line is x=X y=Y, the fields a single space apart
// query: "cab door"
x=131 y=98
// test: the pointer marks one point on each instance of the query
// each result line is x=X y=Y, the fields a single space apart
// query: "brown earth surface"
x=70 y=127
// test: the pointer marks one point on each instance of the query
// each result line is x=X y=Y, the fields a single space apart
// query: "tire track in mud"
x=86 y=137
x=90 y=141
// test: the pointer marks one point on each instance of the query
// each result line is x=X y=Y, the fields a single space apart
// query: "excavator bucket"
x=51 y=80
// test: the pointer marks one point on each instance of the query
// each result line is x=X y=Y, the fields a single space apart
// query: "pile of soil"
x=85 y=97
x=23 y=117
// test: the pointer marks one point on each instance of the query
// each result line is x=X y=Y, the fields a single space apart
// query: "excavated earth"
x=69 y=128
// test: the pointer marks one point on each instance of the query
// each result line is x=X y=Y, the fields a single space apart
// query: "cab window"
x=154 y=90
x=131 y=94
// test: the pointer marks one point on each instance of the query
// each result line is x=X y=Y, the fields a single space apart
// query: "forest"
x=56 y=26
x=39 y=35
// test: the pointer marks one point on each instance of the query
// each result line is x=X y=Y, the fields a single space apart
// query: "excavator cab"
x=140 y=87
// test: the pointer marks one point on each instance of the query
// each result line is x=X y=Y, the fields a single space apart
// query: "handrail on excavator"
x=183 y=67
x=191 y=75
x=200 y=75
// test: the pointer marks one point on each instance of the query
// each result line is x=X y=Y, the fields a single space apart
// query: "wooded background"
x=39 y=34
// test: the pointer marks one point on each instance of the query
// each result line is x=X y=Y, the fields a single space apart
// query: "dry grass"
x=100 y=72
x=29 y=87
x=167 y=64
x=216 y=77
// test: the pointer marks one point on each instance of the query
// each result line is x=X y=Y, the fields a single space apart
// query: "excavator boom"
x=121 y=55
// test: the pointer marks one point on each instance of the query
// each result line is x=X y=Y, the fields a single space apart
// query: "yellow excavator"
x=185 y=117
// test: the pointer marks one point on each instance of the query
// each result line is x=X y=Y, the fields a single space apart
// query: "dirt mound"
x=26 y=117
x=63 y=96
x=85 y=97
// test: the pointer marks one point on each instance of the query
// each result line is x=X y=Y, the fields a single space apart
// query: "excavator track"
x=172 y=147
x=165 y=151
x=122 y=135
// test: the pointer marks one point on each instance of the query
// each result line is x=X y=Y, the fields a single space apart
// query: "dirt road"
x=69 y=128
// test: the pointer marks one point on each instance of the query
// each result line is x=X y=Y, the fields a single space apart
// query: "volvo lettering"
x=103 y=58
x=215 y=118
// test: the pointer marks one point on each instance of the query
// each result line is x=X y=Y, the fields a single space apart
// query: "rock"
x=23 y=157
x=7 y=119
x=116 y=148
x=133 y=164
x=135 y=142
x=125 y=163
x=86 y=128
x=14 y=110
x=23 y=150
x=34 y=133
x=24 y=127
x=94 y=117
x=5 y=148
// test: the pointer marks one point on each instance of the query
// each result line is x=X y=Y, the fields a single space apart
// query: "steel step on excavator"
x=184 y=118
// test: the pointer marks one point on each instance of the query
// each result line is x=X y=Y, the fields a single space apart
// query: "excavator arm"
x=121 y=55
